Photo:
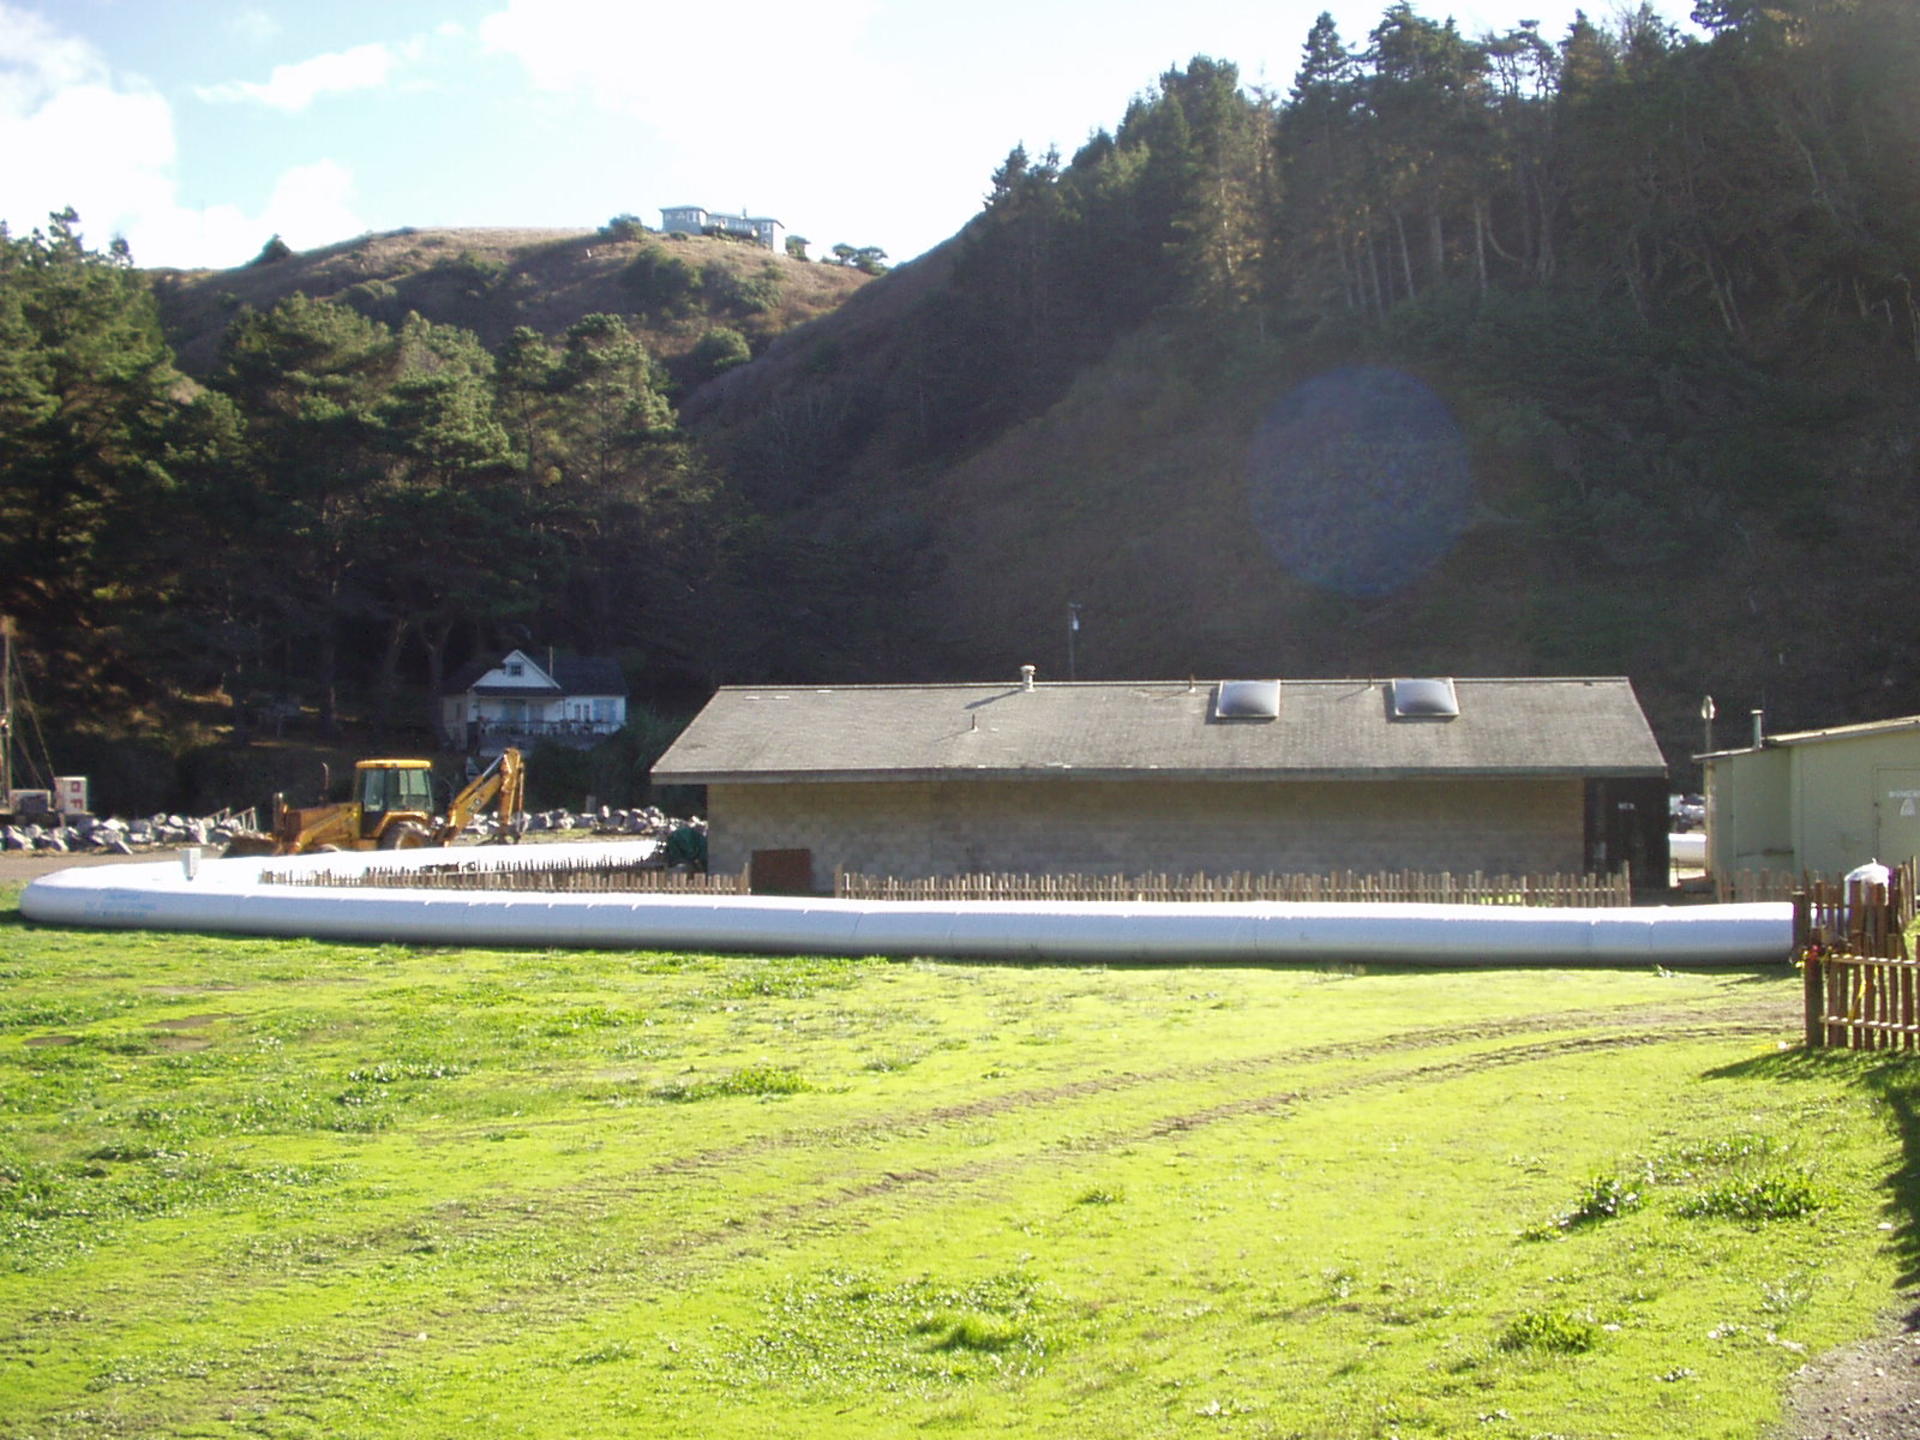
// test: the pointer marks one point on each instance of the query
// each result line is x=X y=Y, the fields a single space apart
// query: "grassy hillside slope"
x=490 y=281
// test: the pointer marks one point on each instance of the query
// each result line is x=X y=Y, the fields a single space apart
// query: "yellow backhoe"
x=392 y=809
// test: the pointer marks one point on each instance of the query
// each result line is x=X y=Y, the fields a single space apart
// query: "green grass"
x=295 y=1189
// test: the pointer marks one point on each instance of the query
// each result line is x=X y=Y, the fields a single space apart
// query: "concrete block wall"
x=1119 y=828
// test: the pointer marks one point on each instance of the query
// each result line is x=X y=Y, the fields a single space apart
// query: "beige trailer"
x=1824 y=800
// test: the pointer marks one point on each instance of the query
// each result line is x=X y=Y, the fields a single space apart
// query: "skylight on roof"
x=1247 y=700
x=1424 y=700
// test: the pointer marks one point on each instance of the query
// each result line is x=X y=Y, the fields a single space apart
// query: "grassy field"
x=293 y=1189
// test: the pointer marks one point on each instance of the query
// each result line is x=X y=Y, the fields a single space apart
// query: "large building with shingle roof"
x=1515 y=776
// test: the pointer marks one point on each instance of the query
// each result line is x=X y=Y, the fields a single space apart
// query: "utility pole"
x=1073 y=630
x=6 y=711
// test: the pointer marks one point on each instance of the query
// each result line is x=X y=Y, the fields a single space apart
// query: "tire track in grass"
x=890 y=1182
x=1765 y=1018
x=741 y=1235
x=679 y=1261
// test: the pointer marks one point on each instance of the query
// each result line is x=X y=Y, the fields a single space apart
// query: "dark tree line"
x=1642 y=249
x=344 y=503
x=1761 y=180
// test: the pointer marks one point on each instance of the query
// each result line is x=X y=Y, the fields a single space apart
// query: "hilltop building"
x=697 y=220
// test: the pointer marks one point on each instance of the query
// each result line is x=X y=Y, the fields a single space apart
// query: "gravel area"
x=18 y=866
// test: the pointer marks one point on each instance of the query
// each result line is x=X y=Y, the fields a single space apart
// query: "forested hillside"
x=1469 y=354
x=1656 y=287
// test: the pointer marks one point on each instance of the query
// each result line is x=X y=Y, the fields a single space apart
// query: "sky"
x=197 y=129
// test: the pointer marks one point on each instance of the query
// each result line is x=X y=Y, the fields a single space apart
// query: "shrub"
x=1553 y=1333
x=659 y=282
x=728 y=289
x=972 y=1331
x=477 y=273
x=1770 y=1197
x=721 y=349
x=750 y=1080
x=375 y=299
x=272 y=253
x=1606 y=1198
x=623 y=227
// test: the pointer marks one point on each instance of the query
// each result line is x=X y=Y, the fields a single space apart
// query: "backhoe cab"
x=392 y=809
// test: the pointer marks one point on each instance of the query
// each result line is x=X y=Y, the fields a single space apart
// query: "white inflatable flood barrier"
x=229 y=896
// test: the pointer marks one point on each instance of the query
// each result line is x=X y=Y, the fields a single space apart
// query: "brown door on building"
x=780 y=872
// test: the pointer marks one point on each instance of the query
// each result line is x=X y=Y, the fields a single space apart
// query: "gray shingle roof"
x=575 y=674
x=1327 y=729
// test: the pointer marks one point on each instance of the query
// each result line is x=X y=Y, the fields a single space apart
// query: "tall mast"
x=6 y=709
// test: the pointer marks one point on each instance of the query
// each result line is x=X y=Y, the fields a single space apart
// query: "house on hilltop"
x=1523 y=776
x=696 y=220
x=515 y=700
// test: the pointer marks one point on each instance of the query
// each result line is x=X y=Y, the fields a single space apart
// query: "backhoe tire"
x=404 y=836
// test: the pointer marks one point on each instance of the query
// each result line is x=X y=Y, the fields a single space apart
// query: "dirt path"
x=19 y=866
x=1869 y=1391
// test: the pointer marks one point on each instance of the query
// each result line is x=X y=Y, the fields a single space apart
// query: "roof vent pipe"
x=1026 y=677
x=1759 y=728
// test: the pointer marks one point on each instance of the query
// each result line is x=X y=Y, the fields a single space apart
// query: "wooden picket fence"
x=617 y=875
x=1746 y=887
x=1862 y=983
x=1570 y=891
x=613 y=875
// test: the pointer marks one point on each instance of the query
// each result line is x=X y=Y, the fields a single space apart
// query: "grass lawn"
x=293 y=1189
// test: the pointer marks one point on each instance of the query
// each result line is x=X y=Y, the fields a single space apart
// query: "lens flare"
x=1359 y=480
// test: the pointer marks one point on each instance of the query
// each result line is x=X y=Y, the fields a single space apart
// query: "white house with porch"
x=516 y=700
x=698 y=220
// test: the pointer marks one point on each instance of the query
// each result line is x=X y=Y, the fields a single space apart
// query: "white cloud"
x=688 y=65
x=33 y=55
x=292 y=88
x=310 y=205
x=779 y=107
x=74 y=136
x=255 y=26
x=74 y=133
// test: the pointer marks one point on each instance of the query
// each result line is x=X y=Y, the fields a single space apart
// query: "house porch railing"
x=540 y=729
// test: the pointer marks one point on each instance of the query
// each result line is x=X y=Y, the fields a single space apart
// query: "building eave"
x=1054 y=773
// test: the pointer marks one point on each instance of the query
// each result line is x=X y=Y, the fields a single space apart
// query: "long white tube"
x=228 y=896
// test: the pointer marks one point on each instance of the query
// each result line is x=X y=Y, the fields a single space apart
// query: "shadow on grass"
x=1895 y=1080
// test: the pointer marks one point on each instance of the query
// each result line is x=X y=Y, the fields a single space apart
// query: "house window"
x=516 y=669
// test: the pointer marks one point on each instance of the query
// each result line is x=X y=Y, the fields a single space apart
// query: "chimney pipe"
x=1759 y=728
x=1026 y=677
